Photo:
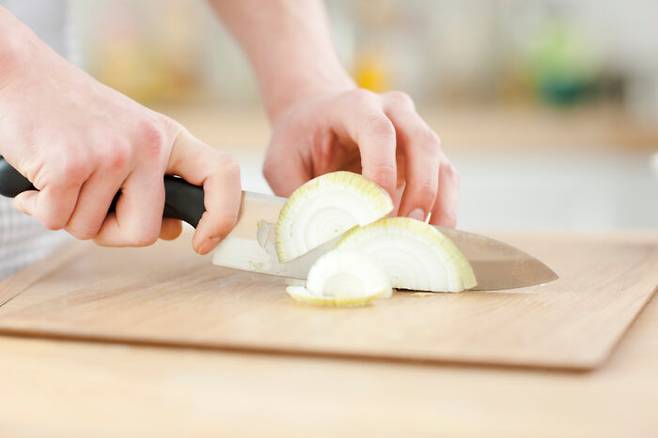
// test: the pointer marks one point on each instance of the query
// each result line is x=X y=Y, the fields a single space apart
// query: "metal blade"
x=251 y=244
x=251 y=247
x=498 y=265
x=259 y=255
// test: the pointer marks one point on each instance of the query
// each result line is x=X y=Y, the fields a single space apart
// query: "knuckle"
x=228 y=163
x=450 y=170
x=225 y=165
x=400 y=99
x=52 y=218
x=51 y=222
x=437 y=139
x=362 y=96
x=427 y=140
x=116 y=157
x=151 y=138
x=428 y=147
x=385 y=169
x=83 y=232
x=268 y=172
x=385 y=174
x=425 y=190
x=144 y=237
x=432 y=138
x=73 y=168
x=270 y=164
x=381 y=127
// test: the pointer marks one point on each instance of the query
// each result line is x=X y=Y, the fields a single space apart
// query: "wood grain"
x=165 y=295
x=14 y=285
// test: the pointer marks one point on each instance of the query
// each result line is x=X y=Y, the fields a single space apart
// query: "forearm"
x=10 y=51
x=289 y=45
x=18 y=45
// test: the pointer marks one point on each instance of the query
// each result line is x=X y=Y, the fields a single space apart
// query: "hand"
x=380 y=135
x=80 y=142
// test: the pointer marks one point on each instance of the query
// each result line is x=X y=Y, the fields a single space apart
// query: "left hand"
x=379 y=135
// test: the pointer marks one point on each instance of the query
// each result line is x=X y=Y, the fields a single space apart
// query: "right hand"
x=379 y=135
x=80 y=142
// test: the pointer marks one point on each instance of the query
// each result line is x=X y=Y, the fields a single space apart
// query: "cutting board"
x=166 y=295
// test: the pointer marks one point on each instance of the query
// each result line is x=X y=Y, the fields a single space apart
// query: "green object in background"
x=563 y=67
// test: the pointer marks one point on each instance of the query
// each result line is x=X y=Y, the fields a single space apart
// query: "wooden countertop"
x=70 y=389
x=60 y=389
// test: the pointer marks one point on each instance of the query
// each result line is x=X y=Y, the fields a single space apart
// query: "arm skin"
x=322 y=122
x=80 y=142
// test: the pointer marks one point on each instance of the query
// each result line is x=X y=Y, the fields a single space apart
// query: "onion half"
x=325 y=207
x=414 y=254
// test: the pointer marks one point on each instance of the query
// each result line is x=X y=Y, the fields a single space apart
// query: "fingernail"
x=418 y=214
x=209 y=245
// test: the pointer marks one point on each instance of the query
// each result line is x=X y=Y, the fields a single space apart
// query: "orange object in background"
x=371 y=72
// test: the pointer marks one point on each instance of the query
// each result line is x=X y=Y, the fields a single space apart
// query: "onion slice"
x=414 y=254
x=343 y=278
x=325 y=207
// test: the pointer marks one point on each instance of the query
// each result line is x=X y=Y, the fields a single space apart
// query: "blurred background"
x=549 y=108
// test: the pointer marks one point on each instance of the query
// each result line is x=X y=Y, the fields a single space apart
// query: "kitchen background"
x=549 y=109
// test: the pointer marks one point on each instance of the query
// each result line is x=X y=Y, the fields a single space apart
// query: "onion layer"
x=343 y=278
x=414 y=254
x=325 y=207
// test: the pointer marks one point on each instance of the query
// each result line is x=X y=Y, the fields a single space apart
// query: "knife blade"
x=251 y=247
x=251 y=244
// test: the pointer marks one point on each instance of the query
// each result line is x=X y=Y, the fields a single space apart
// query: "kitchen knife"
x=251 y=246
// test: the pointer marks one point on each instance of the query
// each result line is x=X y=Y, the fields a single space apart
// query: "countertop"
x=461 y=128
x=69 y=389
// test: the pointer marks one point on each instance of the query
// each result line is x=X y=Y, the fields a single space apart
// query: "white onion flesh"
x=325 y=207
x=414 y=254
x=343 y=278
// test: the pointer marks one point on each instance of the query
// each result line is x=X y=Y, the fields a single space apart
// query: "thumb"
x=219 y=175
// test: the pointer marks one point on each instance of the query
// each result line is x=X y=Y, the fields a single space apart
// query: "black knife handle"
x=183 y=200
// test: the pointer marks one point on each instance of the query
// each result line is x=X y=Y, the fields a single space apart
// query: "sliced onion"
x=325 y=207
x=343 y=278
x=414 y=254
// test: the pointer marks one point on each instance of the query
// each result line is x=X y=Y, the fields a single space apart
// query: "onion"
x=325 y=207
x=343 y=278
x=414 y=254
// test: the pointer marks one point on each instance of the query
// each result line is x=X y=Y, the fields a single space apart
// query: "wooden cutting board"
x=166 y=295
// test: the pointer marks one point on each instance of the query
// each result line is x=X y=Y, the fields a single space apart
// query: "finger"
x=444 y=212
x=170 y=229
x=219 y=175
x=26 y=202
x=93 y=204
x=286 y=173
x=361 y=118
x=138 y=215
x=397 y=199
x=421 y=151
x=52 y=206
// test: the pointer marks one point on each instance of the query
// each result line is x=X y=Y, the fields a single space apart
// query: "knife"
x=251 y=244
